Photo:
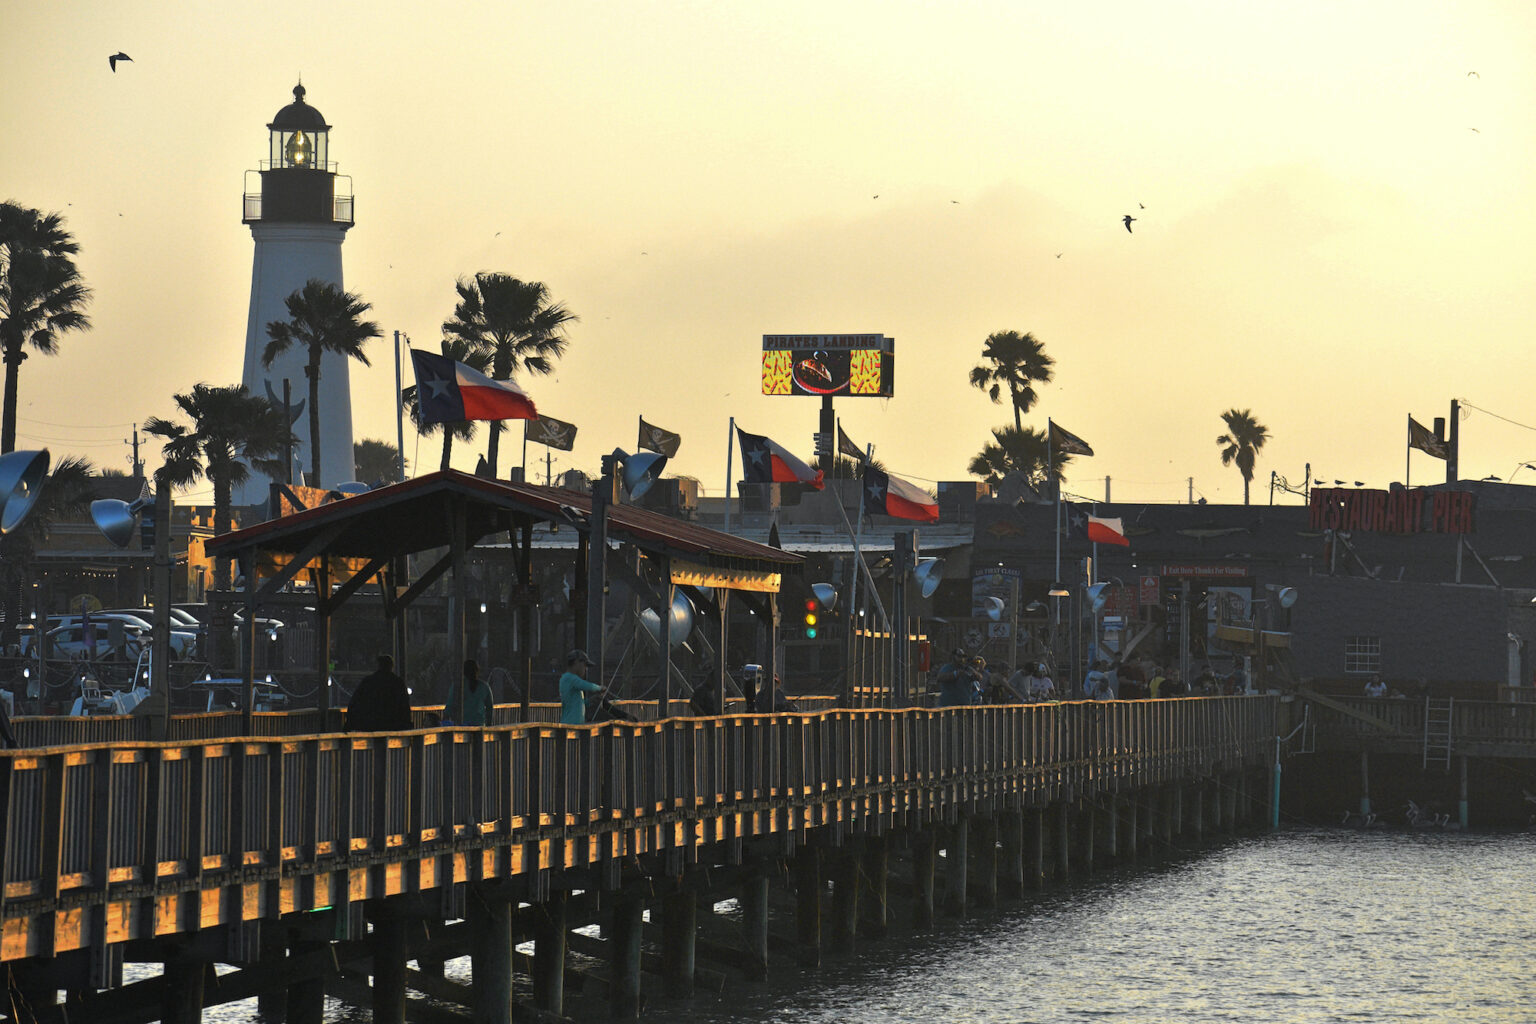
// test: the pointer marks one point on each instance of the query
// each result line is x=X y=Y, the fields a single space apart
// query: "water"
x=1297 y=927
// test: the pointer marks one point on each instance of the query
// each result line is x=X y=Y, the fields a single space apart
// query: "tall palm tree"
x=515 y=322
x=41 y=295
x=1023 y=451
x=321 y=318
x=375 y=461
x=463 y=430
x=1241 y=443
x=231 y=430
x=1016 y=362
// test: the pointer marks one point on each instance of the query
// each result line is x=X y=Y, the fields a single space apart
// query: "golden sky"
x=1325 y=239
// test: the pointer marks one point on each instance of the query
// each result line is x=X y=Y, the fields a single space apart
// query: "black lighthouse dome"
x=299 y=136
x=299 y=184
x=299 y=114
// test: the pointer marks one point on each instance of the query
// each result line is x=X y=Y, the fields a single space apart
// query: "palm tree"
x=231 y=430
x=1017 y=450
x=1017 y=362
x=463 y=430
x=321 y=318
x=375 y=461
x=41 y=295
x=515 y=322
x=1241 y=443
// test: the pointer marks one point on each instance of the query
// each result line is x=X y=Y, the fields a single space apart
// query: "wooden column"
x=1229 y=784
x=527 y=608
x=322 y=637
x=680 y=932
x=1112 y=830
x=1365 y=783
x=667 y=591
x=306 y=997
x=1164 y=819
x=1132 y=826
x=845 y=899
x=1197 y=809
x=1063 y=841
x=489 y=923
x=922 y=878
x=272 y=1002
x=956 y=857
x=875 y=906
x=389 y=956
x=1034 y=847
x=182 y=1002
x=986 y=862
x=1178 y=809
x=549 y=946
x=624 y=968
x=1089 y=816
x=754 y=921
x=1462 y=806
x=456 y=606
x=1011 y=826
x=808 y=906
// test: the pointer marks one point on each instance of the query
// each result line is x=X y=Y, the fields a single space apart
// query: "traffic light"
x=810 y=617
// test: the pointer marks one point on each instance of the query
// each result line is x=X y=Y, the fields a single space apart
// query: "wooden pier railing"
x=107 y=842
x=1396 y=725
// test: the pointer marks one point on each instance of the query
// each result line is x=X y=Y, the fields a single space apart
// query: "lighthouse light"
x=298 y=149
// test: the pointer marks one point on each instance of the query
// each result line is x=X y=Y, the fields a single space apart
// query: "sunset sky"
x=1338 y=224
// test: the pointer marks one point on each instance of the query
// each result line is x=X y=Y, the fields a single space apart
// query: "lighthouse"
x=299 y=217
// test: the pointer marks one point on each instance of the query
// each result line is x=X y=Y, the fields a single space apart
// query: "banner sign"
x=1419 y=510
x=1228 y=571
x=861 y=365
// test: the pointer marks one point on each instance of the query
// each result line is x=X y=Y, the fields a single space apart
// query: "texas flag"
x=450 y=392
x=1097 y=530
x=765 y=462
x=887 y=495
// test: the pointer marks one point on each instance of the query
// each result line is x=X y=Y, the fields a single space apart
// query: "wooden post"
x=668 y=591
x=1034 y=847
x=624 y=968
x=1011 y=824
x=489 y=923
x=389 y=956
x=322 y=638
x=1132 y=826
x=845 y=899
x=272 y=1002
x=549 y=954
x=1197 y=807
x=808 y=906
x=956 y=856
x=1089 y=818
x=1165 y=819
x=1462 y=806
x=306 y=997
x=183 y=999
x=680 y=932
x=922 y=879
x=1112 y=829
x=875 y=876
x=1229 y=785
x=986 y=862
x=1365 y=783
x=1178 y=810
x=754 y=919
x=1063 y=841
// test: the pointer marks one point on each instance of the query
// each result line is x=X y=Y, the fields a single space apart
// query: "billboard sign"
x=861 y=365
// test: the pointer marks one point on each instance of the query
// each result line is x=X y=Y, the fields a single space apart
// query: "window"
x=1362 y=654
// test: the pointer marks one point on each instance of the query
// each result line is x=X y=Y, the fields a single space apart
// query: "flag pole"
x=1408 y=456
x=399 y=411
x=730 y=450
x=858 y=554
x=1050 y=479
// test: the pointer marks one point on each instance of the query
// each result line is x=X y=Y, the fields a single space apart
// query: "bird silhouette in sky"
x=1128 y=218
x=119 y=55
x=1142 y=206
x=1473 y=74
x=1474 y=130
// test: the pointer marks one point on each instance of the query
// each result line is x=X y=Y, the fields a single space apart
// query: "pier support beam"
x=1063 y=841
x=183 y=1002
x=845 y=899
x=1011 y=836
x=680 y=932
x=1461 y=805
x=1132 y=826
x=389 y=956
x=549 y=954
x=624 y=966
x=922 y=879
x=808 y=906
x=272 y=1003
x=1365 y=783
x=489 y=922
x=1112 y=830
x=1229 y=790
x=1178 y=810
x=956 y=866
x=1090 y=821
x=1197 y=811
x=985 y=857
x=754 y=921
x=875 y=905
x=1164 y=799
x=306 y=998
x=1034 y=847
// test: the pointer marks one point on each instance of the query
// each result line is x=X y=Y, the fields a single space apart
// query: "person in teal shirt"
x=470 y=702
x=573 y=706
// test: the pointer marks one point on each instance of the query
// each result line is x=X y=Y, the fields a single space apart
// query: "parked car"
x=184 y=643
x=68 y=641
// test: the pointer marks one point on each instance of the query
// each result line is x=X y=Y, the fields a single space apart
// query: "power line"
x=1506 y=419
x=76 y=426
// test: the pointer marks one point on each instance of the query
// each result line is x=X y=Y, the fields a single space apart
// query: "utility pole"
x=1191 y=490
x=138 y=463
x=1454 y=445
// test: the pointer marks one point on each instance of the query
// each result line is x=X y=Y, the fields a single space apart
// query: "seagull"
x=955 y=201
x=119 y=55
x=1142 y=205
x=875 y=196
x=1128 y=218
x=1058 y=255
x=1473 y=74
x=1474 y=130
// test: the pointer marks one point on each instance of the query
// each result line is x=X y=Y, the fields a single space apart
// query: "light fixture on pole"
x=22 y=474
x=928 y=573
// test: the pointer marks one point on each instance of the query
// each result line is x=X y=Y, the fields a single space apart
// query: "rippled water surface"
x=1293 y=927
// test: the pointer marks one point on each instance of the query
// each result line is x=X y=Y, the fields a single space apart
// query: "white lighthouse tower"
x=299 y=219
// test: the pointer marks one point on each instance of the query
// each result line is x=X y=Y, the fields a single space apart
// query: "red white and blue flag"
x=1097 y=529
x=887 y=495
x=764 y=461
x=450 y=392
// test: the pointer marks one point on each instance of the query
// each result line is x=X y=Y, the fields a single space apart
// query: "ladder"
x=1437 y=731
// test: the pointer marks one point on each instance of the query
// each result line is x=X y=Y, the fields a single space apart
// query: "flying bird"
x=1058 y=255
x=119 y=55
x=1474 y=130
x=1128 y=218
x=1142 y=205
x=1473 y=74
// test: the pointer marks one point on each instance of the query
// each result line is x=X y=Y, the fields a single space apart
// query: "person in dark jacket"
x=380 y=703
